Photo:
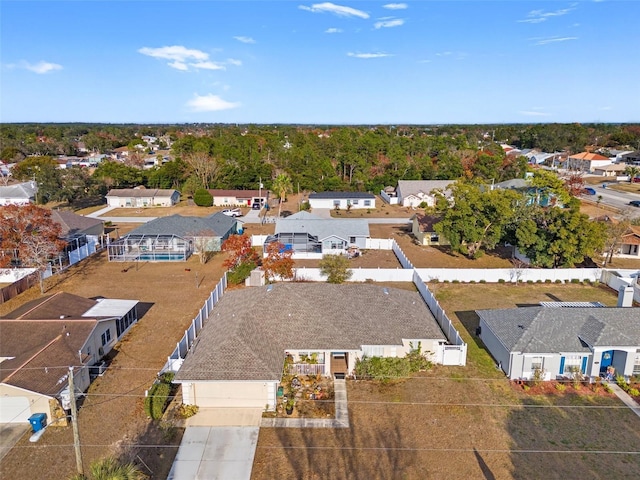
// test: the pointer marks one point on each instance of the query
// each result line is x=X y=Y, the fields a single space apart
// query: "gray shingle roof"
x=413 y=187
x=218 y=224
x=26 y=190
x=551 y=330
x=324 y=227
x=141 y=192
x=72 y=223
x=249 y=330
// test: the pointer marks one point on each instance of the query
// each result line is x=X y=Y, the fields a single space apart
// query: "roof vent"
x=385 y=290
x=269 y=288
x=521 y=326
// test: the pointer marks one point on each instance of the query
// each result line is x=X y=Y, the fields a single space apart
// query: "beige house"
x=41 y=340
x=239 y=356
x=613 y=170
x=239 y=198
x=422 y=229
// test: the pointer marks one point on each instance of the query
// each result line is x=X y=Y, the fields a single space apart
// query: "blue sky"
x=342 y=62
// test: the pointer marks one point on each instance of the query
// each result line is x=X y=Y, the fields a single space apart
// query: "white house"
x=142 y=197
x=412 y=193
x=342 y=200
x=43 y=338
x=586 y=162
x=239 y=356
x=18 y=194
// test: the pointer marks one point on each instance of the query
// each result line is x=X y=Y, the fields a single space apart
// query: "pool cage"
x=298 y=242
x=150 y=248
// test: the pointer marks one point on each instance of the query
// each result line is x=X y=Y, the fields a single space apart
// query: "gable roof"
x=416 y=187
x=217 y=225
x=73 y=223
x=25 y=190
x=141 y=192
x=52 y=307
x=588 y=156
x=340 y=195
x=323 y=227
x=553 y=330
x=426 y=222
x=513 y=184
x=239 y=193
x=249 y=330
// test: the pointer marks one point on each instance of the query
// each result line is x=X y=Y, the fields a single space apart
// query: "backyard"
x=466 y=422
x=112 y=419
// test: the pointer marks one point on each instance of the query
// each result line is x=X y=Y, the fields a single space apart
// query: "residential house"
x=307 y=234
x=612 y=170
x=239 y=356
x=18 y=194
x=422 y=229
x=538 y=196
x=174 y=238
x=239 y=198
x=586 y=161
x=631 y=158
x=558 y=342
x=82 y=234
x=142 y=197
x=630 y=243
x=342 y=200
x=413 y=193
x=43 y=338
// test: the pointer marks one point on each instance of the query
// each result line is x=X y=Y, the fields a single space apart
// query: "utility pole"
x=74 y=420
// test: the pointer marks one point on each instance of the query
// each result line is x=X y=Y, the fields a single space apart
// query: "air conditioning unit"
x=98 y=369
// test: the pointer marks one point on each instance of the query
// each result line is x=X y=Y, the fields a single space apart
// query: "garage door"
x=231 y=394
x=14 y=410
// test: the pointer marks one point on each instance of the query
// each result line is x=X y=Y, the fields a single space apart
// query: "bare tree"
x=203 y=166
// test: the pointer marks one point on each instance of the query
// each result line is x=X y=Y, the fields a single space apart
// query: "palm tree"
x=281 y=186
x=633 y=172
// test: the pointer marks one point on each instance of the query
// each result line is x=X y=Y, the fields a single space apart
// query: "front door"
x=606 y=361
x=339 y=365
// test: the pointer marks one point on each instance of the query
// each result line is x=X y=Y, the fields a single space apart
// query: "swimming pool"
x=163 y=257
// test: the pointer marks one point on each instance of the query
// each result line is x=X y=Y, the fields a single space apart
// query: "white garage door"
x=231 y=394
x=14 y=410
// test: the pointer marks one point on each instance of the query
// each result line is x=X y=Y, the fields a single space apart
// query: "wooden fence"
x=19 y=286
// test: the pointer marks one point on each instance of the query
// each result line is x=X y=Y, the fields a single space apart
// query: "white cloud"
x=444 y=54
x=533 y=113
x=368 y=55
x=40 y=68
x=605 y=108
x=339 y=10
x=182 y=58
x=389 y=23
x=395 y=6
x=539 y=16
x=333 y=30
x=209 y=103
x=546 y=41
x=245 y=39
x=233 y=61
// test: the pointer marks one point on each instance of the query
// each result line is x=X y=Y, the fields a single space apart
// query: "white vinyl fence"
x=512 y=275
x=174 y=361
x=379 y=244
x=402 y=258
x=358 y=275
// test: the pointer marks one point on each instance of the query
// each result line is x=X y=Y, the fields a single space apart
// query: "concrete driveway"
x=215 y=453
x=10 y=433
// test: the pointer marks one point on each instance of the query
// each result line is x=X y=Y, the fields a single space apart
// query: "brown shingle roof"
x=249 y=330
x=52 y=307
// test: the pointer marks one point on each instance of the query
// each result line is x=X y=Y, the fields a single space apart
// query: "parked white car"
x=235 y=212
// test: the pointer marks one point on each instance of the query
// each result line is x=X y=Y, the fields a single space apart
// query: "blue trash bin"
x=38 y=421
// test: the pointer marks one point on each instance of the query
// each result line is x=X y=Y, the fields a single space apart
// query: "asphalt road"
x=617 y=199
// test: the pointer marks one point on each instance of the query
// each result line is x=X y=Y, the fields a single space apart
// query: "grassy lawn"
x=465 y=422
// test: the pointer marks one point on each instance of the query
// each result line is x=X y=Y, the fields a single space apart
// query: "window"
x=435 y=237
x=571 y=363
x=354 y=201
x=367 y=203
x=336 y=245
x=352 y=239
x=106 y=337
x=636 y=365
x=536 y=363
x=336 y=203
x=372 y=350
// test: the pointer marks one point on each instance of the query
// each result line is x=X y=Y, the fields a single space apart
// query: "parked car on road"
x=589 y=191
x=235 y=212
x=635 y=203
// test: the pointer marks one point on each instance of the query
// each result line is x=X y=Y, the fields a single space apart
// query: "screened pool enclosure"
x=152 y=248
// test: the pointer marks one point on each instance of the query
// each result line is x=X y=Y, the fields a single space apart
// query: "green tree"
x=281 y=186
x=560 y=238
x=632 y=171
x=119 y=175
x=202 y=198
x=478 y=219
x=547 y=180
x=335 y=268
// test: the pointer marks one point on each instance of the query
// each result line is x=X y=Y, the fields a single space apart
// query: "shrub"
x=483 y=281
x=538 y=281
x=607 y=388
x=385 y=368
x=558 y=281
x=455 y=281
x=548 y=280
x=526 y=388
x=501 y=280
x=187 y=411
x=202 y=198
x=529 y=281
x=242 y=271
x=634 y=392
x=158 y=396
x=561 y=387
x=575 y=280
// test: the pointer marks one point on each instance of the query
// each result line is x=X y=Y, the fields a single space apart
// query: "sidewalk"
x=626 y=399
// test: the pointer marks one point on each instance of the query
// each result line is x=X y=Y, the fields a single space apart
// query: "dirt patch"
x=313 y=397
x=112 y=419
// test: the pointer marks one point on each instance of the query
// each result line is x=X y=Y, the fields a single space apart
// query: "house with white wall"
x=557 y=342
x=142 y=197
x=412 y=193
x=239 y=356
x=43 y=338
x=342 y=200
x=18 y=194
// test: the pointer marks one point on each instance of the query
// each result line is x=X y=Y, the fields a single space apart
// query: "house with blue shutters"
x=559 y=342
